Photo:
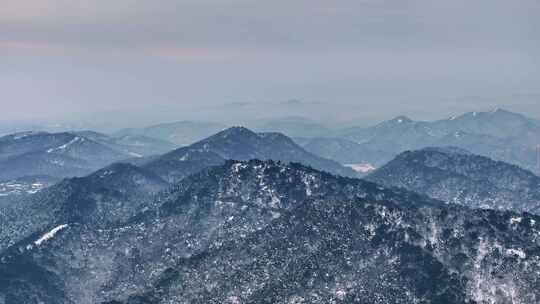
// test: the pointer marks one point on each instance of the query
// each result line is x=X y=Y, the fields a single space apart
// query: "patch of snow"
x=515 y=220
x=66 y=145
x=340 y=294
x=24 y=134
x=15 y=188
x=49 y=235
x=516 y=252
x=135 y=154
x=184 y=157
x=370 y=229
x=275 y=201
x=106 y=173
x=483 y=251
x=57 y=162
x=275 y=215
x=362 y=168
x=238 y=166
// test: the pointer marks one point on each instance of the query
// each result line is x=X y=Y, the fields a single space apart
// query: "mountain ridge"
x=270 y=232
x=463 y=178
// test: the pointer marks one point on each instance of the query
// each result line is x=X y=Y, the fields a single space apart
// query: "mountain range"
x=110 y=184
x=267 y=232
x=256 y=217
x=498 y=134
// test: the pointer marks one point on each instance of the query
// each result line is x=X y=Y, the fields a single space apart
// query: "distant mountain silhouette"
x=181 y=133
x=498 y=134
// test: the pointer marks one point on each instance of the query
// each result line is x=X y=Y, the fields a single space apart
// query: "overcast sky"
x=360 y=58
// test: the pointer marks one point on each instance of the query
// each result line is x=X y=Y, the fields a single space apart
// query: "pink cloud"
x=28 y=46
x=189 y=54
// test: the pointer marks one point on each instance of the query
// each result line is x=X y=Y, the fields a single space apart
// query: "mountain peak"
x=239 y=143
x=236 y=131
x=446 y=150
x=496 y=112
x=233 y=136
x=401 y=119
x=503 y=113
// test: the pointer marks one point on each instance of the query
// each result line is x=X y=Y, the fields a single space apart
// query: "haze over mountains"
x=269 y=152
x=257 y=217
x=498 y=134
x=180 y=133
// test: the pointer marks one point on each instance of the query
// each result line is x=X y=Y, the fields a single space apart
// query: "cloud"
x=303 y=24
x=94 y=54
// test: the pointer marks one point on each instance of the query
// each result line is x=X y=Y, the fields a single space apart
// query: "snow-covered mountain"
x=498 y=134
x=237 y=143
x=497 y=123
x=132 y=145
x=455 y=176
x=52 y=154
x=69 y=153
x=269 y=232
x=105 y=197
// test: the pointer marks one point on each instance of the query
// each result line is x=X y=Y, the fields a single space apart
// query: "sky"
x=136 y=62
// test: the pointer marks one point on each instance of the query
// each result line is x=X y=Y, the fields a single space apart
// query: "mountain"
x=69 y=154
x=498 y=123
x=344 y=151
x=243 y=144
x=181 y=133
x=498 y=134
x=132 y=145
x=236 y=143
x=52 y=154
x=269 y=232
x=455 y=176
x=107 y=196
x=391 y=130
